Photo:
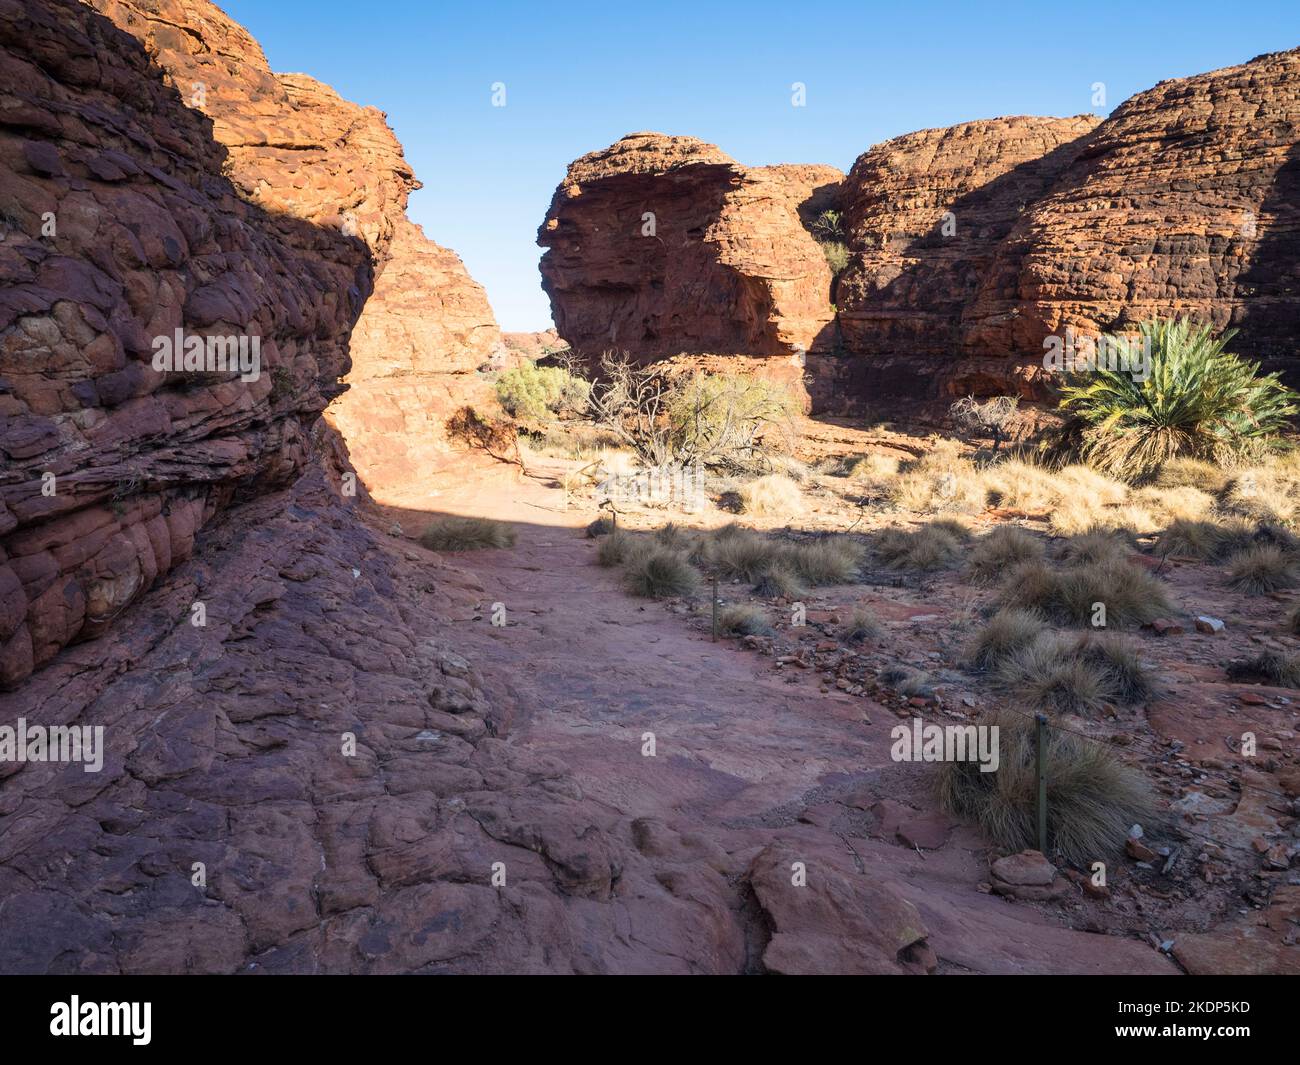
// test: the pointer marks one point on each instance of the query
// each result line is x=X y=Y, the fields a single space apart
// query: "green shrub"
x=728 y=420
x=536 y=393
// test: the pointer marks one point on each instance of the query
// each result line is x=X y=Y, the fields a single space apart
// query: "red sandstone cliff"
x=229 y=829
x=724 y=265
x=296 y=146
x=969 y=245
x=119 y=230
x=924 y=215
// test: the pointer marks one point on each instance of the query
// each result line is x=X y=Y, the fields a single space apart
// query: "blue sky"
x=580 y=75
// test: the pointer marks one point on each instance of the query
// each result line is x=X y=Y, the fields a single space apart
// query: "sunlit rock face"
x=1185 y=201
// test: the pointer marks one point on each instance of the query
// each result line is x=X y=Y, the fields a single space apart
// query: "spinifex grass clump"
x=775 y=495
x=1093 y=797
x=1077 y=674
x=1189 y=398
x=1008 y=631
x=1071 y=594
x=466 y=534
x=1269 y=667
x=1261 y=569
x=999 y=550
x=744 y=620
x=929 y=547
x=860 y=625
x=659 y=572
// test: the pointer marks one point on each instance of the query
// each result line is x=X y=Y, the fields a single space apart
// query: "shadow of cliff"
x=1268 y=316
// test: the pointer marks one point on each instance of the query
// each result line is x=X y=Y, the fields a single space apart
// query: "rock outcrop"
x=661 y=245
x=1185 y=201
x=924 y=216
x=296 y=146
x=120 y=234
x=295 y=774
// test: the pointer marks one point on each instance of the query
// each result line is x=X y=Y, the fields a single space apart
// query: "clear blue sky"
x=580 y=75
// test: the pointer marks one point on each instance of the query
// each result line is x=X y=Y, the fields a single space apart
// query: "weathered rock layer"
x=924 y=216
x=1185 y=201
x=296 y=146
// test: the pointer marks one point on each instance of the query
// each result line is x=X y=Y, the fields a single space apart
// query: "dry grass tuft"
x=466 y=534
x=941 y=480
x=1270 y=667
x=1097 y=545
x=775 y=495
x=1131 y=596
x=1261 y=569
x=1001 y=548
x=1006 y=632
x=618 y=547
x=659 y=573
x=1050 y=675
x=1192 y=473
x=744 y=621
x=928 y=548
x=1093 y=798
x=779 y=581
x=860 y=625
x=829 y=560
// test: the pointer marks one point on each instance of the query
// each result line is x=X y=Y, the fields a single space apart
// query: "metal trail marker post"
x=1041 y=736
x=715 y=608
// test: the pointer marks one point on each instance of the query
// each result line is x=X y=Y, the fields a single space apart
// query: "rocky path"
x=746 y=761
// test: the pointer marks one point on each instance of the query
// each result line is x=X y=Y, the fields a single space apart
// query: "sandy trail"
x=744 y=754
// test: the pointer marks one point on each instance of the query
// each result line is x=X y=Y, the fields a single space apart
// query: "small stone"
x=1207 y=624
x=1139 y=851
x=1027 y=869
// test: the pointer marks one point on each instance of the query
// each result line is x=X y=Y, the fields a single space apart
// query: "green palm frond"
x=1196 y=400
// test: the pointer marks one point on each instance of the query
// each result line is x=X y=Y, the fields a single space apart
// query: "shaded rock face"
x=660 y=245
x=1185 y=201
x=119 y=230
x=924 y=215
